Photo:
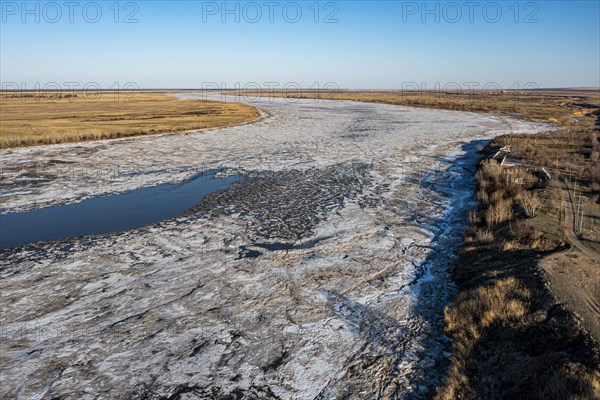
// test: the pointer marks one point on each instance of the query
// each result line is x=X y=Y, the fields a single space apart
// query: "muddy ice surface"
x=321 y=275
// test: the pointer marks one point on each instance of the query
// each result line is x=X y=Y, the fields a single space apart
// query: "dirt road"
x=575 y=276
x=570 y=225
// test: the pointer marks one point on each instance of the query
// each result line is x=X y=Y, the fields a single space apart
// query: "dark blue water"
x=113 y=213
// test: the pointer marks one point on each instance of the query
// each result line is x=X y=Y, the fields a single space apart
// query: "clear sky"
x=354 y=44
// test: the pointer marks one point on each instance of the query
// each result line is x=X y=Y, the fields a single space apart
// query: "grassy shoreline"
x=30 y=119
x=563 y=107
x=521 y=324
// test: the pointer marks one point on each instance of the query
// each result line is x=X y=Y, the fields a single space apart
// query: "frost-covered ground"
x=322 y=275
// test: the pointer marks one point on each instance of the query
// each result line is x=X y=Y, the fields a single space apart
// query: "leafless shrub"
x=474 y=217
x=522 y=231
x=492 y=170
x=484 y=183
x=484 y=236
x=496 y=196
x=483 y=196
x=530 y=203
x=499 y=212
x=557 y=201
x=595 y=139
x=517 y=180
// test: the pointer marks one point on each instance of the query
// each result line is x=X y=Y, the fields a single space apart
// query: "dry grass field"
x=560 y=106
x=31 y=118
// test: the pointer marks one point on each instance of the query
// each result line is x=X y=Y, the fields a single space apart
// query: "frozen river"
x=323 y=274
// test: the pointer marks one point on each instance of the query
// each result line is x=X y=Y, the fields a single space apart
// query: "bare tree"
x=499 y=212
x=531 y=203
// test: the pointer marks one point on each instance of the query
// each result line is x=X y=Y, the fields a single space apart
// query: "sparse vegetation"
x=507 y=346
x=484 y=236
x=525 y=233
x=512 y=337
x=499 y=211
x=530 y=203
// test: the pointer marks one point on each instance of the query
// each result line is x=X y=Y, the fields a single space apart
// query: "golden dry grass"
x=28 y=119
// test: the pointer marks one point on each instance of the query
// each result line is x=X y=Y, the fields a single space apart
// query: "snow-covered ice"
x=322 y=275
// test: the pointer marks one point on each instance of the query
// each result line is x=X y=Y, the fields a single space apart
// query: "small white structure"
x=511 y=162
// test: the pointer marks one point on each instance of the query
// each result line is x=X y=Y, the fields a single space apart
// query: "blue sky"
x=384 y=45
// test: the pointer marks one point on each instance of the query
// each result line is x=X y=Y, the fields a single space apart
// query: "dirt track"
x=570 y=226
x=575 y=276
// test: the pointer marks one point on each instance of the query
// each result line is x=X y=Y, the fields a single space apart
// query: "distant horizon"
x=106 y=89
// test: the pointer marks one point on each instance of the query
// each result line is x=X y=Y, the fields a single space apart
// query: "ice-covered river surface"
x=323 y=274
